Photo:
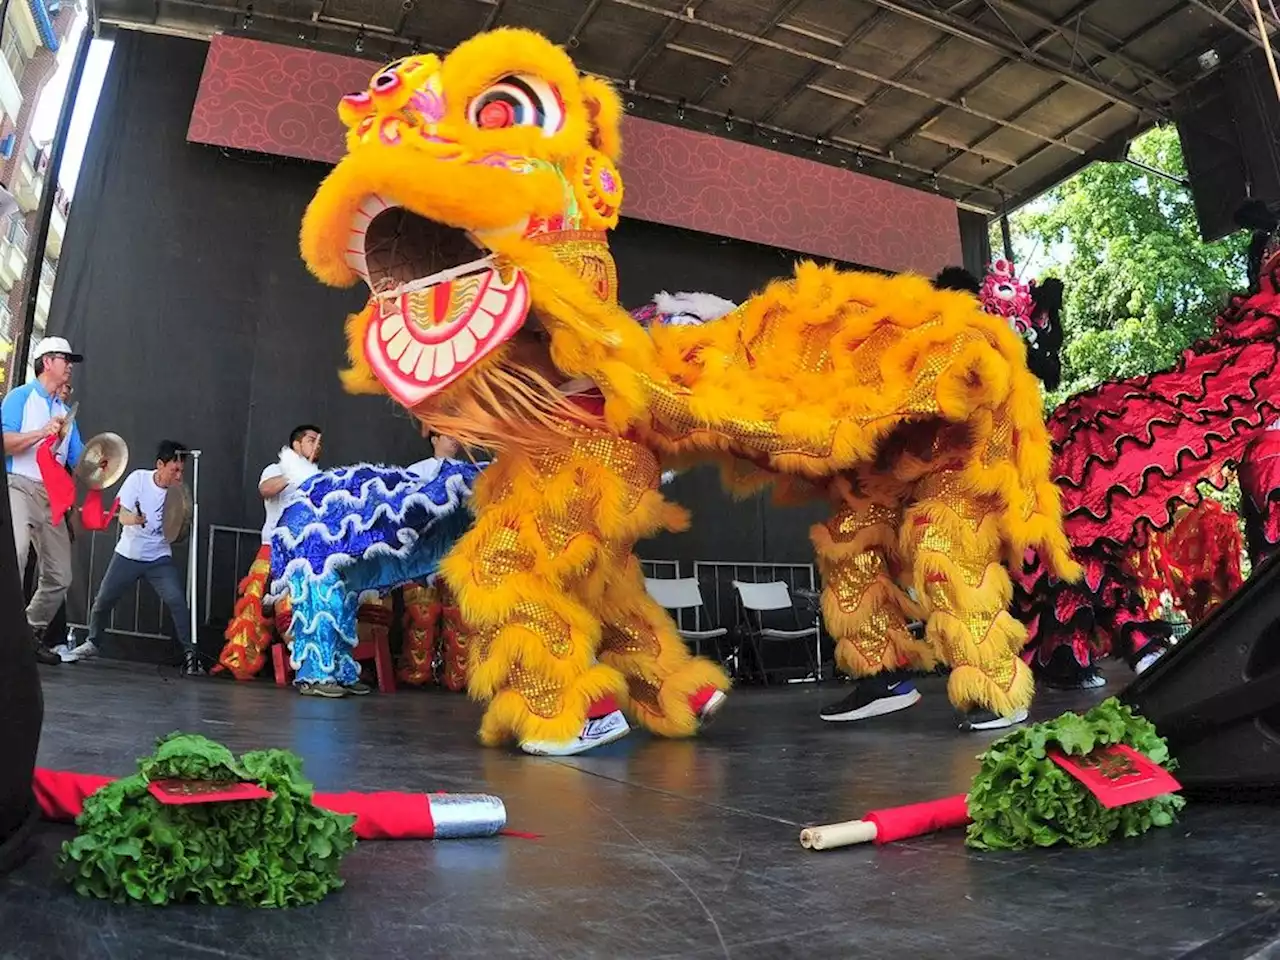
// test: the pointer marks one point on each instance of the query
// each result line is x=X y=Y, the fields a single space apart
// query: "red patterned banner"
x=281 y=100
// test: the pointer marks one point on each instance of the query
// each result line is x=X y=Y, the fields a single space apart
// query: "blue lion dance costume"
x=354 y=529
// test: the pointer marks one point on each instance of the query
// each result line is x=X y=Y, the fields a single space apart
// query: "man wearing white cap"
x=30 y=413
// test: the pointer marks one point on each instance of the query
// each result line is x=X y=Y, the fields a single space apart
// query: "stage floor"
x=649 y=848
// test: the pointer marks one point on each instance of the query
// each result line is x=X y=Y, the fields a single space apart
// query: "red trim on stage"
x=284 y=100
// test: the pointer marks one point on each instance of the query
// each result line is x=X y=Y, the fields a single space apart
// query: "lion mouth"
x=442 y=300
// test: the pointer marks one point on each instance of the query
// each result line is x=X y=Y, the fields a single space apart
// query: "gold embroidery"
x=542 y=695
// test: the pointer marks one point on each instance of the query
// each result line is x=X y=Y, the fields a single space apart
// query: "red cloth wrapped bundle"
x=917 y=819
x=379 y=816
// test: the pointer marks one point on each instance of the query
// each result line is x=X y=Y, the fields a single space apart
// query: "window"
x=14 y=55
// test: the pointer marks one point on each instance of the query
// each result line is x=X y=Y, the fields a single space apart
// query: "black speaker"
x=1216 y=695
x=1228 y=124
x=21 y=702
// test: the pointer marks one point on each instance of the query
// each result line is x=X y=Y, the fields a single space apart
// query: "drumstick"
x=889 y=824
x=838 y=835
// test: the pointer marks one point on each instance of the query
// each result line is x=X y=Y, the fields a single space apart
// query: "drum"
x=177 y=513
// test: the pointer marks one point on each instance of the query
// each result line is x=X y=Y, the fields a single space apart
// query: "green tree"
x=1140 y=284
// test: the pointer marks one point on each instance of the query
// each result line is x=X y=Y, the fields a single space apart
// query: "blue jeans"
x=122 y=573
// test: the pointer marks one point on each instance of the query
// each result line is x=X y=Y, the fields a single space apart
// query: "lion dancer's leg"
x=249 y=633
x=421 y=623
x=455 y=641
x=863 y=607
x=323 y=625
x=669 y=691
x=530 y=577
x=952 y=543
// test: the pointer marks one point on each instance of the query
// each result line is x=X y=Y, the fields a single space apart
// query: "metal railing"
x=230 y=551
x=221 y=579
x=142 y=618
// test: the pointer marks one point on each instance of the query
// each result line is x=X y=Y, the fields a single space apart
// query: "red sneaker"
x=706 y=703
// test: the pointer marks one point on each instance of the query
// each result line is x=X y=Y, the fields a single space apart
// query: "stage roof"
x=989 y=102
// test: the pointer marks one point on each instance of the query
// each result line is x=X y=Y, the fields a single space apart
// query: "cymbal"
x=177 y=513
x=103 y=461
x=69 y=421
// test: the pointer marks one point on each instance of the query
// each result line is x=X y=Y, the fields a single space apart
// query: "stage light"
x=1209 y=60
x=680 y=109
x=360 y=42
x=728 y=120
x=248 y=16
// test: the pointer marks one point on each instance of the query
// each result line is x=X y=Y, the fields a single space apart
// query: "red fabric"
x=902 y=823
x=384 y=815
x=379 y=816
x=61 y=795
x=1127 y=452
x=91 y=513
x=57 y=482
x=701 y=699
x=602 y=708
x=1260 y=482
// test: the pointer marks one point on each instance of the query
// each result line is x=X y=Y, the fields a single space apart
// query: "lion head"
x=476 y=189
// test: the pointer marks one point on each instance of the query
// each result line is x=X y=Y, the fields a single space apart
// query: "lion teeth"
x=444 y=360
x=410 y=358
x=398 y=344
x=481 y=325
x=494 y=302
x=464 y=344
x=425 y=363
x=391 y=326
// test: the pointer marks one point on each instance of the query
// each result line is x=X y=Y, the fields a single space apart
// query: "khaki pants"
x=33 y=527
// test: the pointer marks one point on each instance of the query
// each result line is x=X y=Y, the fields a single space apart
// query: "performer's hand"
x=53 y=426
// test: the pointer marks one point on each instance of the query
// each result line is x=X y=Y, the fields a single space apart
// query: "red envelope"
x=1117 y=774
x=175 y=792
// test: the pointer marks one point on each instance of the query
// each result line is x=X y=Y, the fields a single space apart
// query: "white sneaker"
x=981 y=719
x=1147 y=662
x=712 y=707
x=62 y=649
x=84 y=651
x=595 y=733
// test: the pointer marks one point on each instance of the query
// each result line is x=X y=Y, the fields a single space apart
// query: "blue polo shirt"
x=29 y=407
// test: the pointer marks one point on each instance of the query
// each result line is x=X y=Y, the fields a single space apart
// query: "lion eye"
x=518 y=101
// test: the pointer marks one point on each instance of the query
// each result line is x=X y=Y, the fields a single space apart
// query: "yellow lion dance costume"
x=474 y=200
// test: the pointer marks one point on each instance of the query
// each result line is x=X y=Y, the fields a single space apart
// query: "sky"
x=50 y=103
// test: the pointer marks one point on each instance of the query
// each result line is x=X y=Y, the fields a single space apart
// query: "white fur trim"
x=703 y=306
x=296 y=467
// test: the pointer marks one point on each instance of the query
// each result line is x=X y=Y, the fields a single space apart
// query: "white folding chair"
x=762 y=598
x=678 y=596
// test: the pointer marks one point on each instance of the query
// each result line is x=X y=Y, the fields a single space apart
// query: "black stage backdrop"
x=180 y=281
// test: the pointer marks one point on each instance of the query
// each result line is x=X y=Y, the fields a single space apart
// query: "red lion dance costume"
x=1130 y=458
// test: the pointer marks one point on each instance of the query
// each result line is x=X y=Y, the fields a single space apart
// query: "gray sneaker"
x=331 y=690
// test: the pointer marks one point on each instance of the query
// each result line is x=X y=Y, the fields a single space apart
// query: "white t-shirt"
x=426 y=469
x=140 y=494
x=274 y=505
